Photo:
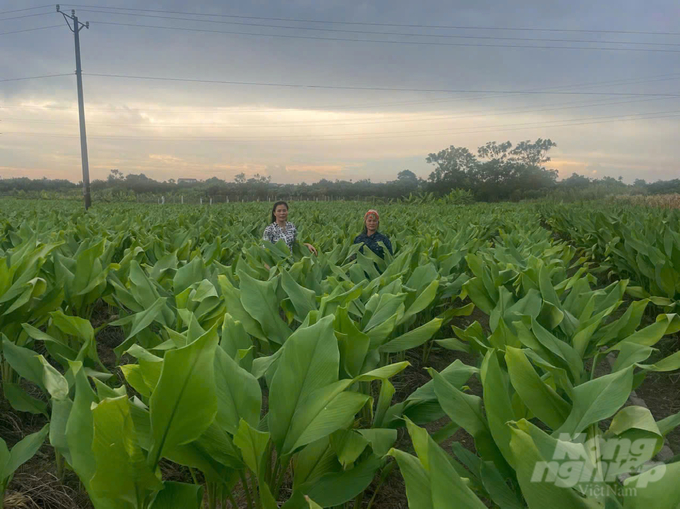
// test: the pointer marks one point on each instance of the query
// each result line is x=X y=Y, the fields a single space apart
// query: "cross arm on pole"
x=76 y=28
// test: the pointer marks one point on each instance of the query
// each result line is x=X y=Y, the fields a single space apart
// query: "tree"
x=240 y=178
x=407 y=176
x=453 y=167
x=534 y=154
x=576 y=181
x=498 y=172
x=493 y=150
x=116 y=176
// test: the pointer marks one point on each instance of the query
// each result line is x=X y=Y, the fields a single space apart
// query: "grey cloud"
x=152 y=52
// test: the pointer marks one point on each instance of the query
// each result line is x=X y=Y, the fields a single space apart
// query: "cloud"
x=566 y=167
x=169 y=129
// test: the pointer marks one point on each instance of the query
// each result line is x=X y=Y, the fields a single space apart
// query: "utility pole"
x=77 y=27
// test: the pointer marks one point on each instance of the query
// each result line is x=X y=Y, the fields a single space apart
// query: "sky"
x=368 y=93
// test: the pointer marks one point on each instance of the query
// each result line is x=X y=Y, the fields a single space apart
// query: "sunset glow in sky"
x=612 y=112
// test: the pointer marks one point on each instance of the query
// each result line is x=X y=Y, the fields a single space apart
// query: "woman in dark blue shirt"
x=371 y=236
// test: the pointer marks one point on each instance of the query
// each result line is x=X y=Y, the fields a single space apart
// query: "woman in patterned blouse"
x=281 y=228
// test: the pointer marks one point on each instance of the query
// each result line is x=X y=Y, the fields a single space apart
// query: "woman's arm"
x=311 y=248
x=295 y=239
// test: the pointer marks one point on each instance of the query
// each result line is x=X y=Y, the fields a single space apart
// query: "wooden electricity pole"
x=76 y=28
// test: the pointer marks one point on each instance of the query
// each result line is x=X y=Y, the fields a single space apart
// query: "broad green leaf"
x=630 y=354
x=4 y=459
x=670 y=363
x=184 y=403
x=380 y=333
x=122 y=474
x=538 y=396
x=348 y=445
x=387 y=391
x=381 y=440
x=303 y=299
x=309 y=361
x=188 y=275
x=238 y=392
x=22 y=401
x=73 y=325
x=252 y=444
x=80 y=429
x=464 y=409
x=178 y=494
x=24 y=450
x=478 y=295
x=142 y=320
x=384 y=372
x=312 y=504
x=597 y=400
x=453 y=344
x=423 y=300
x=448 y=489
x=540 y=491
x=336 y=488
x=234 y=336
x=498 y=405
x=669 y=423
x=259 y=300
x=559 y=348
x=650 y=335
x=24 y=361
x=232 y=297
x=657 y=487
x=417 y=480
x=413 y=338
x=314 y=461
x=322 y=412
x=53 y=381
x=61 y=410
x=388 y=306
x=353 y=343
x=213 y=453
x=498 y=488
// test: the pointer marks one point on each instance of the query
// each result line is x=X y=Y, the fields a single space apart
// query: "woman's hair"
x=274 y=209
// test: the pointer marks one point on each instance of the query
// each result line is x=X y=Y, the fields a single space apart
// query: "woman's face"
x=281 y=213
x=371 y=223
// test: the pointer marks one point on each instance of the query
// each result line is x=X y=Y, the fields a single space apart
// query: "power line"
x=378 y=89
x=545 y=124
x=27 y=9
x=334 y=124
x=28 y=16
x=29 y=30
x=375 y=41
x=366 y=32
x=335 y=22
x=34 y=77
x=183 y=109
x=397 y=134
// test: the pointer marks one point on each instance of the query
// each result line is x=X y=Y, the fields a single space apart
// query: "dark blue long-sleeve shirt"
x=372 y=242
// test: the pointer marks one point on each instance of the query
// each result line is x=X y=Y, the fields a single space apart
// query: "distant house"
x=187 y=181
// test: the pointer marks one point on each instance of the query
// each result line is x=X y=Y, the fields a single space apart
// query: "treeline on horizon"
x=497 y=172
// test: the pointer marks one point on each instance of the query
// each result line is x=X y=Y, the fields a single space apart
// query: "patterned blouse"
x=274 y=233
